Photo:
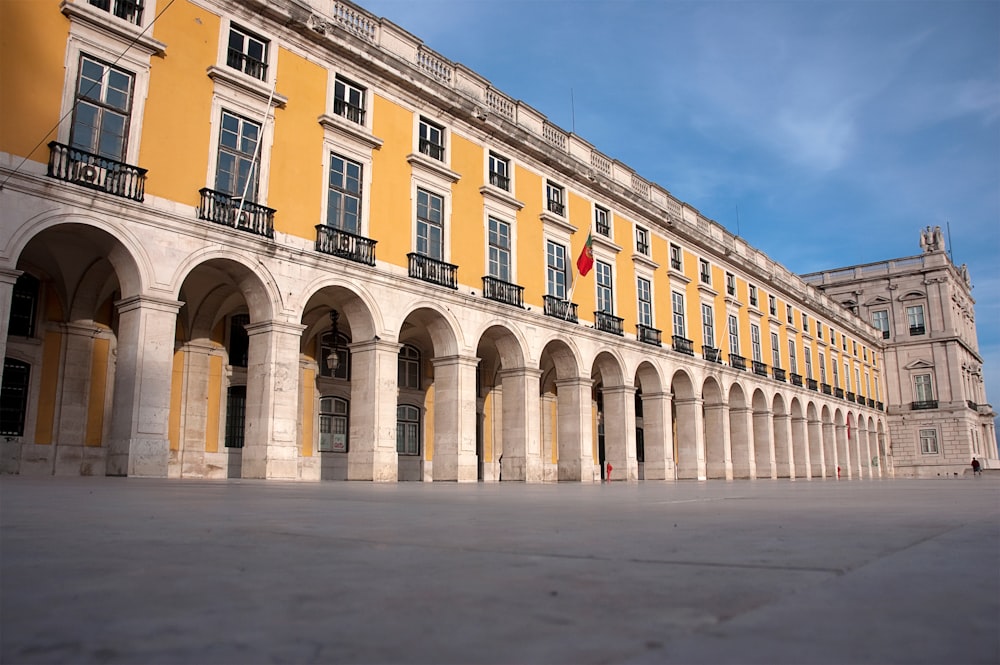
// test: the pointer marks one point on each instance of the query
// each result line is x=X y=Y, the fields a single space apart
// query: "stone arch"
x=689 y=443
x=715 y=419
x=741 y=433
x=613 y=406
x=566 y=416
x=507 y=426
x=653 y=449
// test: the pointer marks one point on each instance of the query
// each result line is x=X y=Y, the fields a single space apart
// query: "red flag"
x=586 y=260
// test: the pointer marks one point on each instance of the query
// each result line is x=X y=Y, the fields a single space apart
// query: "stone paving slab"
x=116 y=570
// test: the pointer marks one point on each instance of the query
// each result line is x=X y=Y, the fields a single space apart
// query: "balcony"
x=871 y=403
x=608 y=323
x=737 y=362
x=353 y=113
x=603 y=227
x=501 y=181
x=778 y=374
x=236 y=213
x=885 y=334
x=647 y=335
x=556 y=207
x=759 y=368
x=917 y=330
x=95 y=172
x=336 y=242
x=682 y=345
x=711 y=354
x=972 y=405
x=431 y=270
x=796 y=379
x=826 y=388
x=880 y=406
x=838 y=392
x=811 y=384
x=850 y=396
x=560 y=309
x=927 y=404
x=432 y=150
x=501 y=291
x=675 y=264
x=130 y=10
x=244 y=63
x=861 y=400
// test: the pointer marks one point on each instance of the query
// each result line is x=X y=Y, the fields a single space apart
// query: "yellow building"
x=286 y=240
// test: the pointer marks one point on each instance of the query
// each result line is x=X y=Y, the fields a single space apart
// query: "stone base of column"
x=513 y=469
x=80 y=461
x=655 y=470
x=141 y=458
x=377 y=466
x=579 y=472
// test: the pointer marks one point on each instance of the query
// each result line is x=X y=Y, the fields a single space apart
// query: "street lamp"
x=333 y=360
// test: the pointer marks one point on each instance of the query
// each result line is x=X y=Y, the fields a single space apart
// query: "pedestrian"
x=977 y=468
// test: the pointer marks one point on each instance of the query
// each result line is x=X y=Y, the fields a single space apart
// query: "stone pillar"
x=619 y=432
x=718 y=443
x=763 y=440
x=455 y=418
x=139 y=443
x=784 y=461
x=520 y=426
x=800 y=448
x=659 y=447
x=575 y=430
x=74 y=394
x=372 y=455
x=829 y=450
x=270 y=444
x=815 y=435
x=194 y=408
x=7 y=280
x=843 y=457
x=691 y=439
x=741 y=442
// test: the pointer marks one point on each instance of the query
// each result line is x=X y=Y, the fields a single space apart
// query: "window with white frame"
x=755 y=348
x=772 y=305
x=734 y=335
x=805 y=322
x=343 y=209
x=102 y=110
x=642 y=240
x=431 y=139
x=843 y=341
x=880 y=321
x=130 y=10
x=644 y=292
x=333 y=424
x=788 y=314
x=555 y=270
x=430 y=225
x=677 y=302
x=605 y=301
x=705 y=271
x=822 y=367
x=807 y=353
x=238 y=162
x=730 y=284
x=753 y=296
x=348 y=100
x=915 y=317
x=555 y=198
x=247 y=52
x=929 y=441
x=847 y=375
x=793 y=359
x=708 y=324
x=775 y=351
x=499 y=171
x=922 y=388
x=819 y=330
x=407 y=430
x=836 y=372
x=408 y=367
x=499 y=250
x=676 y=257
x=602 y=221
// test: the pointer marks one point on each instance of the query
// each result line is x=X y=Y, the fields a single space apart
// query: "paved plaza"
x=116 y=570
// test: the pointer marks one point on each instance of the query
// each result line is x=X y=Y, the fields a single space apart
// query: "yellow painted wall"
x=579 y=210
x=467 y=229
x=295 y=187
x=176 y=126
x=488 y=425
x=51 y=354
x=530 y=237
x=391 y=206
x=98 y=389
x=626 y=298
x=215 y=409
x=176 y=400
x=308 y=379
x=428 y=416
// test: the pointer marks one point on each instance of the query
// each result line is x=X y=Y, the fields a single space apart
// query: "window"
x=407 y=430
x=843 y=341
x=605 y=303
x=775 y=351
x=755 y=342
x=677 y=300
x=555 y=270
x=922 y=386
x=408 y=368
x=499 y=259
x=14 y=397
x=431 y=140
x=239 y=159
x=928 y=442
x=555 y=198
x=349 y=100
x=819 y=330
x=705 y=271
x=734 y=335
x=730 y=284
x=236 y=409
x=854 y=347
x=333 y=425
x=247 y=53
x=707 y=325
x=793 y=360
x=807 y=353
x=239 y=340
x=645 y=294
x=772 y=305
x=675 y=257
x=430 y=225
x=23 y=307
x=836 y=373
x=602 y=221
x=880 y=320
x=822 y=367
x=805 y=322
x=753 y=296
x=343 y=210
x=328 y=348
x=864 y=352
x=499 y=171
x=102 y=109
x=130 y=10
x=642 y=241
x=915 y=317
x=847 y=376
x=788 y=314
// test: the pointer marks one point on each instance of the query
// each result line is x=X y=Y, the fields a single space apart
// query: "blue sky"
x=837 y=130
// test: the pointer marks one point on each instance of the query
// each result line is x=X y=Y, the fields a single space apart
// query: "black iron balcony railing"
x=239 y=214
x=850 y=396
x=560 y=309
x=759 y=368
x=675 y=264
x=337 y=242
x=871 y=403
x=350 y=111
x=683 y=345
x=885 y=334
x=860 y=399
x=608 y=323
x=811 y=384
x=778 y=374
x=431 y=270
x=555 y=206
x=130 y=10
x=880 y=406
x=603 y=227
x=838 y=392
x=432 y=150
x=730 y=290
x=972 y=405
x=246 y=64
x=642 y=247
x=647 y=335
x=706 y=278
x=826 y=388
x=796 y=379
x=501 y=291
x=926 y=404
x=737 y=362
x=917 y=330
x=96 y=172
x=711 y=354
x=501 y=181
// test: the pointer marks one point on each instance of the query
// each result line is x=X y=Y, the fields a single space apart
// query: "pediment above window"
x=350 y=130
x=920 y=364
x=877 y=300
x=240 y=82
x=432 y=167
x=913 y=295
x=109 y=24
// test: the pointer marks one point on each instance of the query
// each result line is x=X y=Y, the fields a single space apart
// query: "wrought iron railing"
x=432 y=150
x=871 y=403
x=759 y=368
x=555 y=206
x=431 y=270
x=647 y=334
x=972 y=405
x=737 y=362
x=917 y=330
x=250 y=66
x=811 y=384
x=926 y=404
x=682 y=345
x=237 y=213
x=675 y=264
x=96 y=172
x=778 y=374
x=347 y=110
x=130 y=10
x=608 y=323
x=337 y=242
x=603 y=227
x=880 y=406
x=860 y=399
x=501 y=291
x=826 y=388
x=850 y=396
x=838 y=392
x=499 y=180
x=711 y=354
x=560 y=309
x=796 y=379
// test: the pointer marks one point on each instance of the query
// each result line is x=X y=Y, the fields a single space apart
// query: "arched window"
x=14 y=397
x=407 y=430
x=333 y=425
x=409 y=367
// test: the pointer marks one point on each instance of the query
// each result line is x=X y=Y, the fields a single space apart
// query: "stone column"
x=741 y=442
x=784 y=458
x=800 y=448
x=575 y=430
x=717 y=431
x=74 y=394
x=521 y=424
x=139 y=443
x=691 y=435
x=843 y=460
x=829 y=450
x=270 y=444
x=619 y=432
x=194 y=408
x=372 y=455
x=659 y=447
x=815 y=435
x=763 y=438
x=455 y=418
x=7 y=280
